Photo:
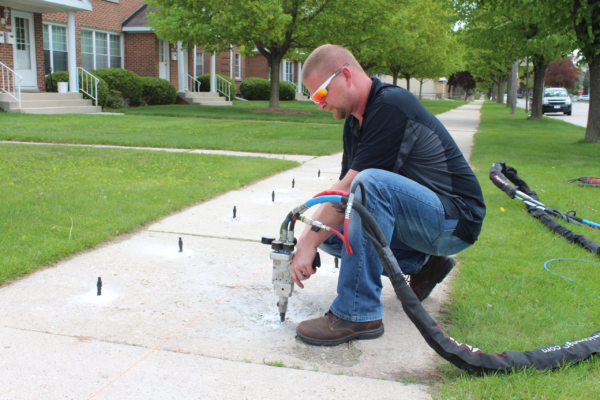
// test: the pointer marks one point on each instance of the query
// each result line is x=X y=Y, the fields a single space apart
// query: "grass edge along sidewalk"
x=184 y=133
x=242 y=110
x=59 y=200
x=503 y=298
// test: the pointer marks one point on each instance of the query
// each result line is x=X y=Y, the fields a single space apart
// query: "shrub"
x=286 y=91
x=124 y=81
x=158 y=91
x=255 y=89
x=260 y=89
x=205 y=85
x=116 y=100
x=63 y=76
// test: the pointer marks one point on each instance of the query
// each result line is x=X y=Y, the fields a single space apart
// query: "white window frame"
x=48 y=28
x=285 y=72
x=196 y=60
x=108 y=33
x=238 y=67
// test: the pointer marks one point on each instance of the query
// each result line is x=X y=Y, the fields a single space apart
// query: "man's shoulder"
x=396 y=96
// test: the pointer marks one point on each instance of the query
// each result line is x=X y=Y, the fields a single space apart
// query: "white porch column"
x=180 y=68
x=213 y=72
x=72 y=56
x=231 y=63
x=299 y=88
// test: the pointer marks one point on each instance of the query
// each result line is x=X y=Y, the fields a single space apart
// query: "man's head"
x=346 y=79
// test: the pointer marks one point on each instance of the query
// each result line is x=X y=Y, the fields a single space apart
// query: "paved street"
x=579 y=115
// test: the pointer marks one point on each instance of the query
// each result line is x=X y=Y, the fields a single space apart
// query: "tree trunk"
x=508 y=89
x=494 y=91
x=593 y=123
x=275 y=65
x=421 y=90
x=407 y=77
x=514 y=83
x=395 y=73
x=539 y=70
x=501 y=88
x=490 y=93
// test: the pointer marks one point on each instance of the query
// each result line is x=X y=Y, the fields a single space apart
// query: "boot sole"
x=444 y=273
x=363 y=335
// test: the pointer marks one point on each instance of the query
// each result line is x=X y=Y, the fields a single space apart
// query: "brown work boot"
x=432 y=273
x=331 y=330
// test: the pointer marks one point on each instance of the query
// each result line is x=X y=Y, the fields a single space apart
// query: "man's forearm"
x=328 y=216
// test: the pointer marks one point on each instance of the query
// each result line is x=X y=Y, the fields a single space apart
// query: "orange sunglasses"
x=321 y=92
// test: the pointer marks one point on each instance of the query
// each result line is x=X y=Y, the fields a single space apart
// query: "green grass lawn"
x=57 y=200
x=503 y=297
x=241 y=110
x=231 y=132
x=187 y=133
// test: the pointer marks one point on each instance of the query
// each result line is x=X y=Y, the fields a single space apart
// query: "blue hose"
x=564 y=277
x=324 y=199
x=590 y=223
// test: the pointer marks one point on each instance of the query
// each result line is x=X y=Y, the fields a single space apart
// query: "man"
x=418 y=185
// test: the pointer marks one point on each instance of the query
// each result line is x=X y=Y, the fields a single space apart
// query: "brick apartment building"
x=36 y=38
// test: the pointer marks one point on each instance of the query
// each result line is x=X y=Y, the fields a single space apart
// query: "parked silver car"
x=556 y=100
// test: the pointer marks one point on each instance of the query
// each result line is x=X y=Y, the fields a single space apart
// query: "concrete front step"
x=50 y=103
x=201 y=95
x=302 y=97
x=204 y=99
x=43 y=96
x=61 y=110
x=215 y=103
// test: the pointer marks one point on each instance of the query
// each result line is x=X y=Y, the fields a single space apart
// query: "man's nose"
x=322 y=106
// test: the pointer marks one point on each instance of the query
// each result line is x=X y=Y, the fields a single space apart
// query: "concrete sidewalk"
x=203 y=323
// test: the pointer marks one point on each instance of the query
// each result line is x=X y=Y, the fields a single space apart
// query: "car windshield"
x=555 y=93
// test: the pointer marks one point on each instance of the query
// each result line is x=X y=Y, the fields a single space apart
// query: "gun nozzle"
x=282 y=317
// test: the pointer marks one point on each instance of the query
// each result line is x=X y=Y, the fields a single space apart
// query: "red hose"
x=332 y=193
x=344 y=239
x=346 y=235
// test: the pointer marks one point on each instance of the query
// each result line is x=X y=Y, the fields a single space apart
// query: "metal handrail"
x=88 y=84
x=221 y=86
x=195 y=84
x=6 y=83
x=305 y=91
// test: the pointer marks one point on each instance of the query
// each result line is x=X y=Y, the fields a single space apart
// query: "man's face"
x=337 y=100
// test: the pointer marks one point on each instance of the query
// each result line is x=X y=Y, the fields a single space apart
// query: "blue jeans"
x=412 y=219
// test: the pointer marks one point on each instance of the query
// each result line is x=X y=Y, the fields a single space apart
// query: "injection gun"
x=282 y=255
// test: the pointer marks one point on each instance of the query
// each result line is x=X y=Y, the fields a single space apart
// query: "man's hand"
x=302 y=264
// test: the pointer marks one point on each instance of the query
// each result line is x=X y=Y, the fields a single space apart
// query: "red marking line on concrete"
x=185 y=326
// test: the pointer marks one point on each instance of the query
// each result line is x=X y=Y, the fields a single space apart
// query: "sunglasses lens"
x=319 y=95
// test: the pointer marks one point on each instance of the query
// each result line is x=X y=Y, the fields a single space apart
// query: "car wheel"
x=569 y=112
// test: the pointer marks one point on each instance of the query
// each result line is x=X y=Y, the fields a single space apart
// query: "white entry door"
x=24 y=48
x=163 y=59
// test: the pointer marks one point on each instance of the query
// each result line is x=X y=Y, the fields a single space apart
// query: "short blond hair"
x=327 y=59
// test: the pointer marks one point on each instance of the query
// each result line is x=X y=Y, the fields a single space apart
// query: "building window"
x=55 y=48
x=199 y=62
x=238 y=66
x=100 y=50
x=288 y=71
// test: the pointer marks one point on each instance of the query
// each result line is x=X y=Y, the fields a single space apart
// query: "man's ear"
x=347 y=73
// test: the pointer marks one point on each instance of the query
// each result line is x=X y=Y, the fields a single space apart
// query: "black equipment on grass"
x=500 y=174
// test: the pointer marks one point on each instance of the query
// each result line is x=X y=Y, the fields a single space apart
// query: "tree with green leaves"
x=583 y=17
x=521 y=28
x=276 y=28
x=422 y=43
